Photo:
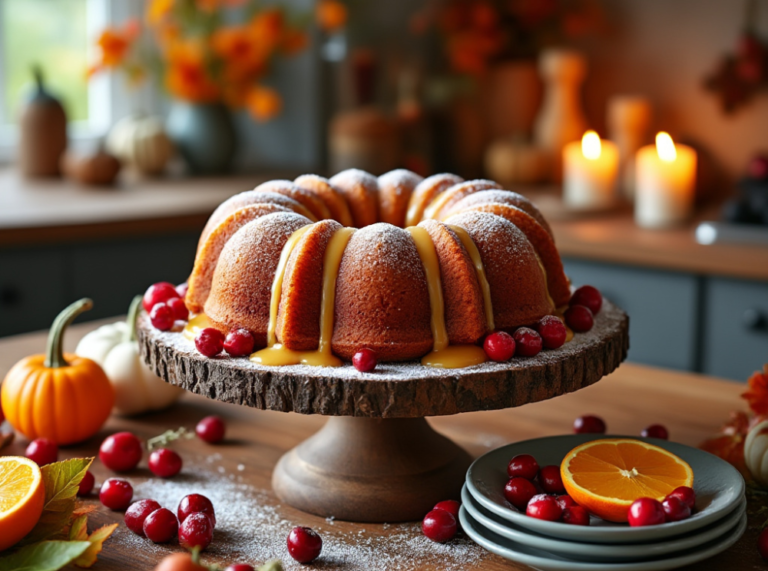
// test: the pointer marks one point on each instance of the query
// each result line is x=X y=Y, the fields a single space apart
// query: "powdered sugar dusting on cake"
x=355 y=177
x=399 y=181
x=500 y=234
x=386 y=246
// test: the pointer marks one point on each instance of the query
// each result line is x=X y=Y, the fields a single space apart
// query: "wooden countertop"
x=691 y=406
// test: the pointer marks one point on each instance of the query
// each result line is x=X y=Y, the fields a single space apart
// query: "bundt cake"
x=409 y=268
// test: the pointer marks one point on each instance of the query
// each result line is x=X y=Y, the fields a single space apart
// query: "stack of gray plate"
x=717 y=523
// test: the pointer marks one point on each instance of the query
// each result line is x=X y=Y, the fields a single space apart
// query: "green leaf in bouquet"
x=44 y=556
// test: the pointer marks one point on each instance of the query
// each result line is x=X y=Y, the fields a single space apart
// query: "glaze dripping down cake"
x=410 y=268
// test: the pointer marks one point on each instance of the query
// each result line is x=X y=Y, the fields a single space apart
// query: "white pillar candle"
x=666 y=180
x=590 y=167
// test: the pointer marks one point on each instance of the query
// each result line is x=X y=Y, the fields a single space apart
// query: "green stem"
x=37 y=73
x=54 y=354
x=133 y=314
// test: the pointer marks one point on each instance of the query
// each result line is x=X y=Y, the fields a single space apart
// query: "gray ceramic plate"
x=548 y=562
x=595 y=552
x=719 y=488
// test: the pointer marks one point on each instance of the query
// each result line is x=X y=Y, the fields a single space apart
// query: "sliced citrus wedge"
x=606 y=476
x=22 y=496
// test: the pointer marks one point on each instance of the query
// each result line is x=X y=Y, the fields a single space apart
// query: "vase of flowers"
x=204 y=135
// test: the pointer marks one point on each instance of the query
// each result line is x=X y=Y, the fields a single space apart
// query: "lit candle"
x=666 y=179
x=590 y=167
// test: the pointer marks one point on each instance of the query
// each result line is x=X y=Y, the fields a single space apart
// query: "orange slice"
x=22 y=496
x=606 y=476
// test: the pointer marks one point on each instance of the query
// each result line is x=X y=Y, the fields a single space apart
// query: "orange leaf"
x=757 y=392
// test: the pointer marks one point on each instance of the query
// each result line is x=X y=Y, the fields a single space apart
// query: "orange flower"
x=157 y=10
x=114 y=43
x=267 y=27
x=294 y=41
x=330 y=15
x=243 y=52
x=187 y=77
x=757 y=392
x=263 y=103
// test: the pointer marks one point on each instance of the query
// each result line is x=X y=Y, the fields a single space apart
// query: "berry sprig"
x=164 y=439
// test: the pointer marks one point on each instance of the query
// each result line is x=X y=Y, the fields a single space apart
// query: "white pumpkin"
x=141 y=142
x=756 y=452
x=114 y=347
x=512 y=162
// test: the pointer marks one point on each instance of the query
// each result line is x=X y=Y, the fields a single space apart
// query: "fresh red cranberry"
x=210 y=342
x=439 y=526
x=589 y=424
x=120 y=452
x=158 y=293
x=305 y=545
x=645 y=511
x=499 y=346
x=576 y=515
x=528 y=342
x=364 y=360
x=161 y=526
x=195 y=503
x=550 y=480
x=519 y=492
x=182 y=289
x=162 y=316
x=675 y=509
x=165 y=463
x=211 y=429
x=655 y=431
x=239 y=342
x=552 y=331
x=579 y=318
x=116 y=494
x=196 y=531
x=686 y=494
x=451 y=506
x=565 y=501
x=588 y=296
x=179 y=308
x=42 y=451
x=86 y=485
x=137 y=513
x=758 y=167
x=240 y=567
x=544 y=507
x=762 y=544
x=523 y=466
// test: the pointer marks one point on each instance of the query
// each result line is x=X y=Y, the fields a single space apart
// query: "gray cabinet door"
x=662 y=308
x=736 y=332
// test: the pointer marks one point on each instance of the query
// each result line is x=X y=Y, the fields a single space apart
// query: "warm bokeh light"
x=665 y=147
x=590 y=145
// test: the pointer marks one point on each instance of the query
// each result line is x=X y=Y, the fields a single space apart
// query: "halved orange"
x=22 y=497
x=606 y=476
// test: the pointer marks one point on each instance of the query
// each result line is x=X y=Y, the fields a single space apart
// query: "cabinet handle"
x=9 y=296
x=755 y=320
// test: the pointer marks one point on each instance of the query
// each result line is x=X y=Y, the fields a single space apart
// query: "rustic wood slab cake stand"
x=377 y=459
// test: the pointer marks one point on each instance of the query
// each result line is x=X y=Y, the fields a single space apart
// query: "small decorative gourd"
x=140 y=142
x=58 y=395
x=512 y=162
x=99 y=169
x=756 y=452
x=114 y=347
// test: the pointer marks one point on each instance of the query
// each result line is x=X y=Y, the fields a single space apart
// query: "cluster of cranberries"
x=677 y=506
x=540 y=492
x=165 y=304
x=441 y=523
x=193 y=521
x=591 y=424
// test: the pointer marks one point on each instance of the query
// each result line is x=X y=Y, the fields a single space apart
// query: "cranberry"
x=116 y=494
x=550 y=480
x=544 y=507
x=195 y=503
x=239 y=342
x=588 y=296
x=240 y=567
x=439 y=526
x=179 y=308
x=182 y=289
x=552 y=331
x=158 y=293
x=196 y=531
x=120 y=452
x=524 y=466
x=762 y=544
x=686 y=494
x=645 y=511
x=565 y=501
x=42 y=451
x=675 y=509
x=519 y=492
x=86 y=485
x=162 y=317
x=589 y=424
x=210 y=342
x=161 y=526
x=305 y=545
x=499 y=346
x=211 y=429
x=364 y=360
x=579 y=318
x=655 y=431
x=451 y=506
x=758 y=167
x=137 y=513
x=165 y=463
x=576 y=515
x=528 y=342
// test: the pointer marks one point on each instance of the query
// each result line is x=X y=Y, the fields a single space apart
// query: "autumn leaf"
x=44 y=556
x=757 y=391
x=79 y=532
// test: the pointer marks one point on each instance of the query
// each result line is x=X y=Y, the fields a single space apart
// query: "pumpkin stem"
x=133 y=315
x=54 y=354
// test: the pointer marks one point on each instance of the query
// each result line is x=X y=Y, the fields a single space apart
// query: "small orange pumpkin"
x=59 y=396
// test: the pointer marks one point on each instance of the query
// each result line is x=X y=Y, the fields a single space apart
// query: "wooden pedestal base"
x=371 y=470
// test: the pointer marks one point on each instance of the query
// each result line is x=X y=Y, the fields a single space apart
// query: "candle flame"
x=590 y=145
x=665 y=147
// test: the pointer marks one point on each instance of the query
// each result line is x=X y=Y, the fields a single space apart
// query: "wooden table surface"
x=691 y=406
